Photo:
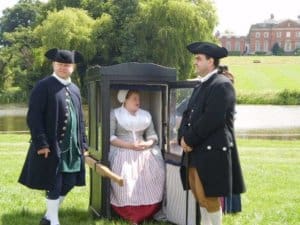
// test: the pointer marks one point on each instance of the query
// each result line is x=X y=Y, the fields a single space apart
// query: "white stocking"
x=216 y=217
x=52 y=211
x=61 y=199
x=204 y=217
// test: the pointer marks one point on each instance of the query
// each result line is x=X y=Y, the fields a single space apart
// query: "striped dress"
x=143 y=171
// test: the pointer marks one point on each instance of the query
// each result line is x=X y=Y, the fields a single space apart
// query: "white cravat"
x=61 y=80
x=209 y=75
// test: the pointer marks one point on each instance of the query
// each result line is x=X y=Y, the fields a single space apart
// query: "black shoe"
x=44 y=221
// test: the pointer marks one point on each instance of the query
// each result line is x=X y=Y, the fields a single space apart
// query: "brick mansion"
x=263 y=36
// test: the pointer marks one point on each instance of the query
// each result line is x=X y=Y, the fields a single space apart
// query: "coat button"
x=65 y=121
x=224 y=149
x=60 y=141
x=189 y=124
x=63 y=134
x=67 y=94
x=208 y=147
x=64 y=128
x=231 y=144
x=67 y=114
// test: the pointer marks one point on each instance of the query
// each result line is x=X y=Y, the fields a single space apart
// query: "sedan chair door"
x=176 y=203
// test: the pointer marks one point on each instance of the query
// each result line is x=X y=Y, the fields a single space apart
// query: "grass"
x=275 y=80
x=271 y=170
x=273 y=73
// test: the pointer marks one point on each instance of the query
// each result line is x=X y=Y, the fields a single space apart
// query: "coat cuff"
x=192 y=139
x=40 y=142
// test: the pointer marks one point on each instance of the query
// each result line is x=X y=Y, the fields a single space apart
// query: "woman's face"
x=132 y=102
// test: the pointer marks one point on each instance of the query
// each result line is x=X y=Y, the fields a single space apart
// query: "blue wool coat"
x=207 y=126
x=47 y=117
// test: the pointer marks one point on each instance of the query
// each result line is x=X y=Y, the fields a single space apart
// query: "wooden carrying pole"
x=103 y=170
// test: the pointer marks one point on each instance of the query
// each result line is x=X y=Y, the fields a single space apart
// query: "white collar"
x=209 y=75
x=61 y=80
x=140 y=121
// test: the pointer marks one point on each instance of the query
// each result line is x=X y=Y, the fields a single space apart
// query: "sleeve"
x=36 y=116
x=221 y=98
x=113 y=126
x=150 y=133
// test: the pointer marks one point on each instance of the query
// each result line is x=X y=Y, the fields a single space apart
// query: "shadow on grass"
x=67 y=217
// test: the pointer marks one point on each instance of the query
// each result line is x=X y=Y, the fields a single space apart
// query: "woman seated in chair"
x=135 y=156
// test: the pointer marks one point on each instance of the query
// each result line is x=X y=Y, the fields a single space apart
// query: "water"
x=262 y=121
x=13 y=118
x=268 y=121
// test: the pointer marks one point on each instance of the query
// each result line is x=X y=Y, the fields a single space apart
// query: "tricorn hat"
x=64 y=56
x=209 y=49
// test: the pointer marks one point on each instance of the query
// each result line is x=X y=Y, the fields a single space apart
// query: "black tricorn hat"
x=209 y=49
x=64 y=56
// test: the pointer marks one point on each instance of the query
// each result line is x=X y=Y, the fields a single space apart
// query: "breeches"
x=63 y=184
x=212 y=204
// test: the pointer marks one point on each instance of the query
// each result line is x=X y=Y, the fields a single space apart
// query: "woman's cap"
x=122 y=95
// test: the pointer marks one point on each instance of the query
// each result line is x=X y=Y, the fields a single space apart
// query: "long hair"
x=223 y=69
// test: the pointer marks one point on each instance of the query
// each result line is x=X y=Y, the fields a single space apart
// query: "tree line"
x=107 y=32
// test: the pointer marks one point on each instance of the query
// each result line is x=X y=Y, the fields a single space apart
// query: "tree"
x=19 y=55
x=276 y=50
x=110 y=28
x=161 y=32
x=26 y=13
x=69 y=28
x=61 y=4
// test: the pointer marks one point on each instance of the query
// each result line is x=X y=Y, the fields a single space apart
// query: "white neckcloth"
x=137 y=122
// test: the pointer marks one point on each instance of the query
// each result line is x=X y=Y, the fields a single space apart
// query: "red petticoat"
x=137 y=214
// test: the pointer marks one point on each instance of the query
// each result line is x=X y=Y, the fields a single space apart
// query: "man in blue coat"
x=55 y=159
x=207 y=137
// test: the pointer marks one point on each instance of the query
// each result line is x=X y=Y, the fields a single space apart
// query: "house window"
x=298 y=34
x=257 y=35
x=266 y=46
x=298 y=44
x=266 y=34
x=228 y=46
x=278 y=34
x=288 y=34
x=257 y=46
x=237 y=46
x=288 y=46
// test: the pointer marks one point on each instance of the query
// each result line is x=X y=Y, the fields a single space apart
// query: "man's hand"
x=44 y=151
x=184 y=146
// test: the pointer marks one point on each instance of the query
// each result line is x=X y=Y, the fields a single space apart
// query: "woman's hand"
x=142 y=145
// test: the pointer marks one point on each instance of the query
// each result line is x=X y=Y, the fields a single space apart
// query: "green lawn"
x=271 y=170
x=273 y=73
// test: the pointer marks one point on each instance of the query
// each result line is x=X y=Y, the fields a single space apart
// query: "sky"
x=237 y=15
